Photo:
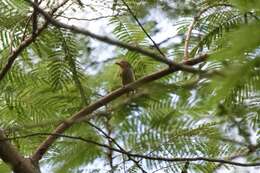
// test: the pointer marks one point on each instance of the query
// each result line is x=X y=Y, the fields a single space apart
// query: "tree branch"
x=82 y=114
x=24 y=44
x=10 y=155
x=15 y=53
x=166 y=159
x=105 y=39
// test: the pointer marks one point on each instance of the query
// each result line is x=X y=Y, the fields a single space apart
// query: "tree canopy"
x=194 y=105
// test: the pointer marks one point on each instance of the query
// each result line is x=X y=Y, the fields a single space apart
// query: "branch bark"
x=10 y=155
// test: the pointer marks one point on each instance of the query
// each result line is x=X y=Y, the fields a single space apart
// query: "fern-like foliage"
x=180 y=115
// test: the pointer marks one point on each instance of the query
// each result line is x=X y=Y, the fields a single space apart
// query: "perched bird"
x=127 y=73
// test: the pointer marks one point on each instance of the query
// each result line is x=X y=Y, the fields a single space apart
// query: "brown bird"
x=127 y=73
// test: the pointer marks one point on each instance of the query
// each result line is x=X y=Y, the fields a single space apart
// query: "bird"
x=127 y=73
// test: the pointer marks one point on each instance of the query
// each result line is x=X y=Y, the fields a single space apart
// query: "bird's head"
x=123 y=64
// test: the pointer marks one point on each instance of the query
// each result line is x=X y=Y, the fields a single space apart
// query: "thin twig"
x=91 y=19
x=93 y=63
x=26 y=26
x=167 y=39
x=141 y=26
